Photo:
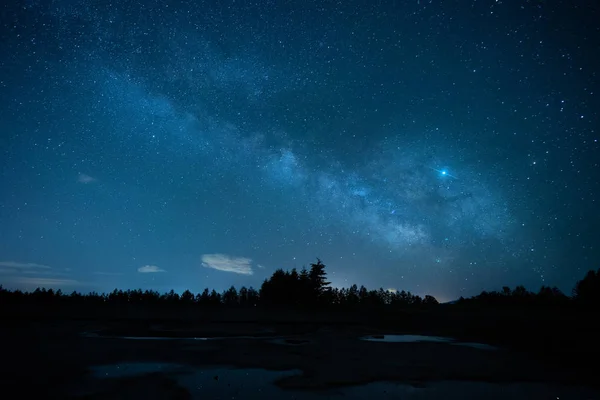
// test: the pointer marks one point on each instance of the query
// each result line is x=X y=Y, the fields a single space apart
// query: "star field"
x=437 y=147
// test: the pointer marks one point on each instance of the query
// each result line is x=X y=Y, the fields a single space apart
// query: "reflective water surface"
x=165 y=380
x=422 y=338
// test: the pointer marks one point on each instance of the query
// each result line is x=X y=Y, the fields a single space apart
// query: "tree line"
x=309 y=288
x=586 y=293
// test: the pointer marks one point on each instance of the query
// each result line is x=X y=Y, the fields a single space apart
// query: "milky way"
x=440 y=148
x=394 y=200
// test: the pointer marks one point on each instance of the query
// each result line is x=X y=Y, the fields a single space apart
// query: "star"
x=443 y=173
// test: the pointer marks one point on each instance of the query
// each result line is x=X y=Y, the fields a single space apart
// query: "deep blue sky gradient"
x=213 y=142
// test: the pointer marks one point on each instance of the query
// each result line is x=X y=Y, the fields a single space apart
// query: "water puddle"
x=422 y=338
x=167 y=380
x=480 y=346
x=291 y=341
x=406 y=338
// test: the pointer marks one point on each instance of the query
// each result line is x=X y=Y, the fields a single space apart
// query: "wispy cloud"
x=29 y=275
x=17 y=268
x=148 y=269
x=224 y=262
x=20 y=265
x=43 y=272
x=47 y=282
x=85 y=179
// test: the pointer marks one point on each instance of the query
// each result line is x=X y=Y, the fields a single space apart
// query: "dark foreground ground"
x=252 y=355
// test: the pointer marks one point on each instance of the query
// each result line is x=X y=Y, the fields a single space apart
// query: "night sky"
x=441 y=147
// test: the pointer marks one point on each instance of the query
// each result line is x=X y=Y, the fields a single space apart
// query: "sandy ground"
x=53 y=358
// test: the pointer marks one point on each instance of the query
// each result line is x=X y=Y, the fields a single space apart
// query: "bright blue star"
x=443 y=172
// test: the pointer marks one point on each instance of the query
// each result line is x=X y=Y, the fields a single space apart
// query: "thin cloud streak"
x=44 y=272
x=150 y=269
x=47 y=282
x=226 y=263
x=18 y=265
x=85 y=179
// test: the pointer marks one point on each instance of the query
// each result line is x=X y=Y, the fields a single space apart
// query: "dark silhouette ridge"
x=309 y=289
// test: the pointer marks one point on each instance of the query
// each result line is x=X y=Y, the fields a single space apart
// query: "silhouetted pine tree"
x=204 y=298
x=215 y=298
x=230 y=297
x=243 y=295
x=187 y=297
x=587 y=290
